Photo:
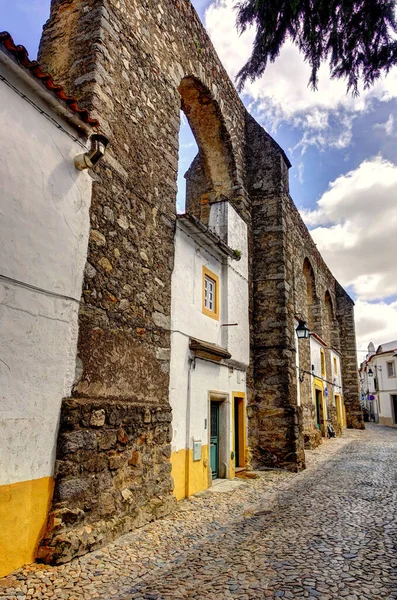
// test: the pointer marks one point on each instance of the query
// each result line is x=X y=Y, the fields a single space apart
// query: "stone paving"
x=324 y=534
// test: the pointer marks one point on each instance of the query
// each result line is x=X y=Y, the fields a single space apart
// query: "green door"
x=214 y=439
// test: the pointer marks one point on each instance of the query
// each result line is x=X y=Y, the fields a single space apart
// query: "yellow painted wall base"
x=23 y=513
x=387 y=421
x=198 y=473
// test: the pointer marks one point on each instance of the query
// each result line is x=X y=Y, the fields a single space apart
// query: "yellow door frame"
x=318 y=385
x=242 y=430
x=339 y=412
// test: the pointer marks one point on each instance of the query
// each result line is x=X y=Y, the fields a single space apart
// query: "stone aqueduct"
x=134 y=64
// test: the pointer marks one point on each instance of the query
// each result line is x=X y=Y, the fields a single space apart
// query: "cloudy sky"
x=343 y=151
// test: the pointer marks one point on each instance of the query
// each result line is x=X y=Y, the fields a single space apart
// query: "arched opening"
x=311 y=296
x=210 y=177
x=330 y=325
x=188 y=151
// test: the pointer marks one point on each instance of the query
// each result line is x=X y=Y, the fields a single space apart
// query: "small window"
x=210 y=294
x=391 y=369
x=335 y=365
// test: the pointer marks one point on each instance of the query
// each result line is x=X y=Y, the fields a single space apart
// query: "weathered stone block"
x=98 y=418
x=73 y=489
x=107 y=440
x=77 y=440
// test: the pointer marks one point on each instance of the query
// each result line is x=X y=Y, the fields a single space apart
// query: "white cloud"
x=375 y=322
x=388 y=126
x=283 y=94
x=355 y=222
x=355 y=228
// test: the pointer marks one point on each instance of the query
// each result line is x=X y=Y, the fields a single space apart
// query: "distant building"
x=378 y=383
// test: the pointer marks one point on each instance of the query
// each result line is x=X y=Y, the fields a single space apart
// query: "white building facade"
x=378 y=382
x=209 y=349
x=44 y=230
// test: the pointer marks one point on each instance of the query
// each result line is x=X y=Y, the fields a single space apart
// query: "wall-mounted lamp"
x=99 y=143
x=371 y=373
x=302 y=331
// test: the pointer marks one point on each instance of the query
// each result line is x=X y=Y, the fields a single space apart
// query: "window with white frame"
x=391 y=369
x=209 y=293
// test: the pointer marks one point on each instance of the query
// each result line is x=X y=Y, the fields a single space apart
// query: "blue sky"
x=343 y=151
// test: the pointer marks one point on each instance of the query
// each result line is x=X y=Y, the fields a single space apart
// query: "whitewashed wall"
x=187 y=320
x=44 y=228
x=336 y=375
x=226 y=222
x=315 y=356
x=204 y=378
x=386 y=385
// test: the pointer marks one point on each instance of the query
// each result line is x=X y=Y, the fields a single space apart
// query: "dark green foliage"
x=357 y=37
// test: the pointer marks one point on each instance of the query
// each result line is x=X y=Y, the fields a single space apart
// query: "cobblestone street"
x=327 y=533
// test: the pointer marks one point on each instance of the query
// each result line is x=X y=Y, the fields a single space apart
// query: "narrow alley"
x=327 y=533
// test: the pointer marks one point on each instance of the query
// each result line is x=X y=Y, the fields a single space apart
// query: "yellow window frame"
x=335 y=365
x=213 y=314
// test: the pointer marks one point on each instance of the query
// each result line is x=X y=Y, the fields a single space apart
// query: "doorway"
x=214 y=439
x=319 y=410
x=219 y=434
x=338 y=406
x=239 y=432
x=394 y=407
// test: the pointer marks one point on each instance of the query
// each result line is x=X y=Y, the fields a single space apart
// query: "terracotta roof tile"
x=21 y=55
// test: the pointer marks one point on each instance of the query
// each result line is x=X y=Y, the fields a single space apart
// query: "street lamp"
x=99 y=143
x=302 y=331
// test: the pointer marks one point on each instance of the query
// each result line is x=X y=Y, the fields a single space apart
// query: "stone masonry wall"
x=345 y=316
x=275 y=420
x=113 y=472
x=134 y=64
x=329 y=316
x=281 y=247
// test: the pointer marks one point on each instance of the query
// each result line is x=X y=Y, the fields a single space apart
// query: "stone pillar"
x=124 y=338
x=131 y=64
x=275 y=420
x=351 y=391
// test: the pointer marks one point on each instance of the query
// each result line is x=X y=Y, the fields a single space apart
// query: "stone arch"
x=330 y=332
x=212 y=175
x=329 y=307
x=311 y=295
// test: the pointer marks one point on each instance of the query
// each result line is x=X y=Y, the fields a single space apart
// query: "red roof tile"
x=21 y=55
